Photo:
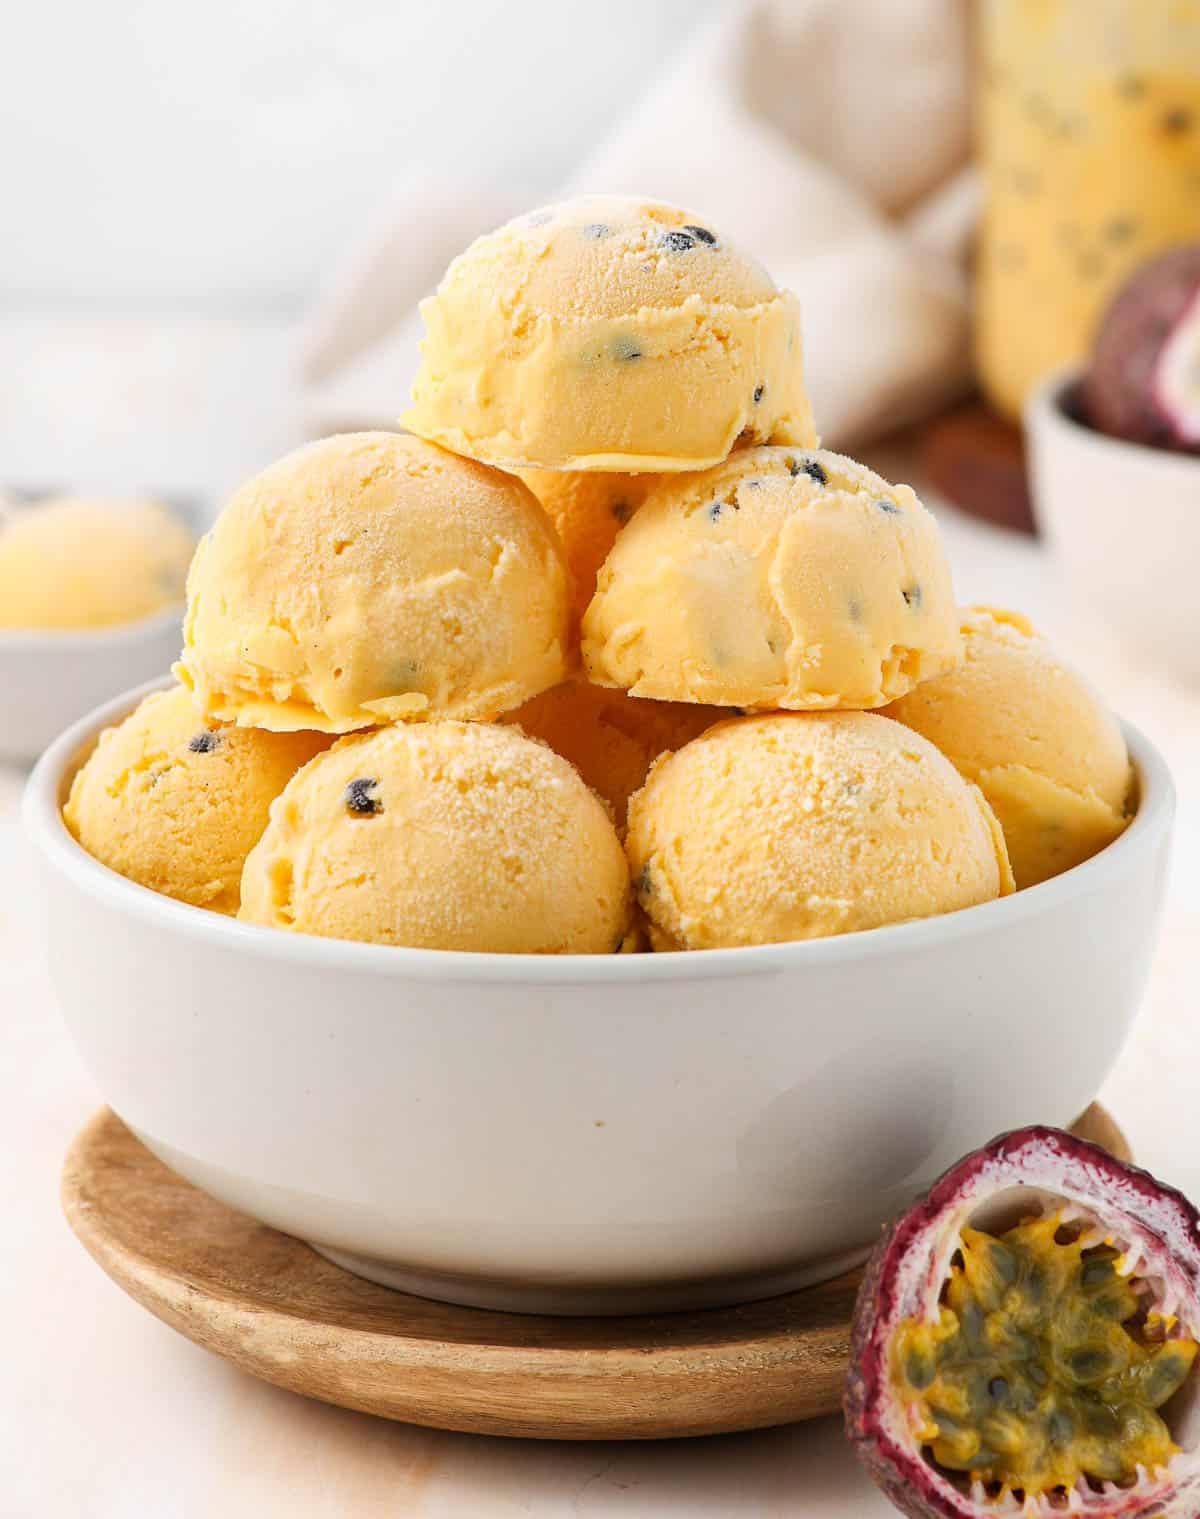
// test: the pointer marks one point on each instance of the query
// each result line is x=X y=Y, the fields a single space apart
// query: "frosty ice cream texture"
x=608 y=334
x=79 y=562
x=799 y=826
x=373 y=578
x=448 y=835
x=782 y=578
x=176 y=804
x=1036 y=738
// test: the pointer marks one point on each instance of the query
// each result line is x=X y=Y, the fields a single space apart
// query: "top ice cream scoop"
x=608 y=334
x=373 y=578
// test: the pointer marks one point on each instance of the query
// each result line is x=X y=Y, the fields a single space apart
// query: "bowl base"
x=601 y=1302
x=275 y=1308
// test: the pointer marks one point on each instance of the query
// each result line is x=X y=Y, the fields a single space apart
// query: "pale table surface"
x=106 y=1413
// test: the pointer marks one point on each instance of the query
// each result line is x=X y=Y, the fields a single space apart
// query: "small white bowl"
x=49 y=678
x=594 y=1134
x=1124 y=521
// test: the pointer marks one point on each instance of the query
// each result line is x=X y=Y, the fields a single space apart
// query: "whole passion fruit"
x=1024 y=1341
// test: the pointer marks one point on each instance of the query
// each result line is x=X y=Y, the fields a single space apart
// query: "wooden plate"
x=278 y=1310
x=977 y=460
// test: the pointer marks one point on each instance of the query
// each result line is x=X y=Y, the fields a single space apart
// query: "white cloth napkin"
x=828 y=137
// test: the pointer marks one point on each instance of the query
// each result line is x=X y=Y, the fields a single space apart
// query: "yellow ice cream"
x=608 y=334
x=75 y=562
x=374 y=578
x=779 y=579
x=799 y=826
x=609 y=737
x=1035 y=737
x=449 y=835
x=175 y=804
x=588 y=511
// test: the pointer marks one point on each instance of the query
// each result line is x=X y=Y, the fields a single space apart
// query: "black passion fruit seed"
x=1029 y=1297
x=361 y=798
x=815 y=471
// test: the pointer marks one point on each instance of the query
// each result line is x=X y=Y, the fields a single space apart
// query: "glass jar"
x=1090 y=143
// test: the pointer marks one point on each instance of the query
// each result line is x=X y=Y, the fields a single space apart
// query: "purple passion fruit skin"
x=1024 y=1341
x=1143 y=384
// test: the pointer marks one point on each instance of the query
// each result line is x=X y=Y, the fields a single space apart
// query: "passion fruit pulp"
x=1025 y=1341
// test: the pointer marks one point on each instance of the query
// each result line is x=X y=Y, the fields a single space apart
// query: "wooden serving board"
x=976 y=459
x=273 y=1307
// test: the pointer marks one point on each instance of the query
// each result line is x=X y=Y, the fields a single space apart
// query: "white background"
x=218 y=157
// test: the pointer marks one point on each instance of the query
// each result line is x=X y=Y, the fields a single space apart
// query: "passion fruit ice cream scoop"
x=779 y=579
x=608 y=334
x=1024 y=1341
x=448 y=835
x=176 y=803
x=799 y=826
x=373 y=578
x=78 y=562
x=1035 y=737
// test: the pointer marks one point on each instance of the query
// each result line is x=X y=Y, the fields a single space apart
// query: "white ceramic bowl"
x=50 y=678
x=593 y=1134
x=1124 y=521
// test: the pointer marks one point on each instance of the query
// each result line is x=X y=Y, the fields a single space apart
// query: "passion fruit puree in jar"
x=1090 y=139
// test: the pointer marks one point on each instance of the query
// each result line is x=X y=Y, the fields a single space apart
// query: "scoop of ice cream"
x=588 y=511
x=374 y=578
x=81 y=563
x=1036 y=739
x=608 y=334
x=609 y=737
x=778 y=579
x=799 y=826
x=465 y=836
x=176 y=804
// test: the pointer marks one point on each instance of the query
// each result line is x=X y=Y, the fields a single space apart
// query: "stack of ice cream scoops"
x=602 y=652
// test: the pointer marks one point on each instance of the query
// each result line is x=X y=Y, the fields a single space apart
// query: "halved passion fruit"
x=1025 y=1341
x=1143 y=382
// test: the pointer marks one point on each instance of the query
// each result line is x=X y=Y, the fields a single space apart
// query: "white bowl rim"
x=42 y=816
x=1044 y=409
x=79 y=640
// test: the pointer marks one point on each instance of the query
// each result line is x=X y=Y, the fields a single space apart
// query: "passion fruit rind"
x=1150 y=1235
x=1142 y=383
